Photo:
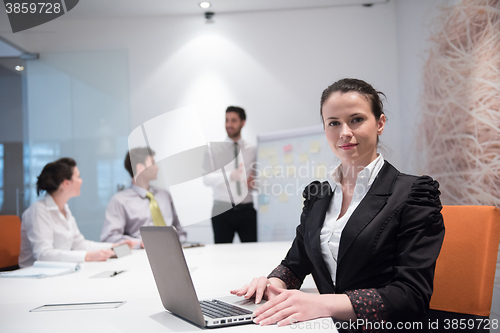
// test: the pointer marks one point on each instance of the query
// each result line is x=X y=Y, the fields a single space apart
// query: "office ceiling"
x=110 y=9
x=116 y=9
x=88 y=9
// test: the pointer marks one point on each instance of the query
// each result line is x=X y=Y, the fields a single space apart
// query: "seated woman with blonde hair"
x=49 y=231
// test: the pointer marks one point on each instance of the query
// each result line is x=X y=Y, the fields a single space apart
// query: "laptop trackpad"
x=240 y=301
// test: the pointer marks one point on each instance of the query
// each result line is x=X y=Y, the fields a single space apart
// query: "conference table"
x=215 y=270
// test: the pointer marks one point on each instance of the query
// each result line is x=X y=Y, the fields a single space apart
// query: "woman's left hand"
x=289 y=307
x=131 y=243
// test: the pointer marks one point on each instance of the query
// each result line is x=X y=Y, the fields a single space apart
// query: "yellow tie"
x=155 y=210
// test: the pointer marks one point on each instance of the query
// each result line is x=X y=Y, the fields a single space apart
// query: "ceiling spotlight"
x=209 y=15
x=19 y=68
x=205 y=5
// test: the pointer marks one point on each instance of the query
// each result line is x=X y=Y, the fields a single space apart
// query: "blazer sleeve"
x=418 y=243
x=297 y=265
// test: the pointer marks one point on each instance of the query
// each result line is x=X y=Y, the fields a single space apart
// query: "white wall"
x=275 y=64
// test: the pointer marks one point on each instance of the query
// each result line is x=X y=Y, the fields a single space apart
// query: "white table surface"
x=215 y=269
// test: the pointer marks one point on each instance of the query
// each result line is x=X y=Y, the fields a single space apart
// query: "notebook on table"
x=43 y=269
x=175 y=285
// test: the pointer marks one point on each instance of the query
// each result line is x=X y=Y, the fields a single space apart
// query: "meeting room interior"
x=207 y=116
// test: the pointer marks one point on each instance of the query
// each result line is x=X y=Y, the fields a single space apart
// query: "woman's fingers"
x=278 y=296
x=99 y=255
x=251 y=288
x=280 y=309
x=106 y=253
x=257 y=289
x=282 y=316
x=289 y=307
x=275 y=291
x=261 y=289
x=240 y=292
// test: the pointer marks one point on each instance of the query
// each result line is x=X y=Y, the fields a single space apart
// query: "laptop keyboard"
x=218 y=309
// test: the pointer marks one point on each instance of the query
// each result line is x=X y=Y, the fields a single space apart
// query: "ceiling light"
x=19 y=68
x=205 y=5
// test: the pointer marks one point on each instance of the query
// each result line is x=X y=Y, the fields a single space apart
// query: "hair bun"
x=54 y=173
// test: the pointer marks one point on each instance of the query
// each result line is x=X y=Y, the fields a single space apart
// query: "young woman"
x=370 y=235
x=48 y=230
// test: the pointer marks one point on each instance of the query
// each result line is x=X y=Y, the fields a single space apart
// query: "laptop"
x=176 y=288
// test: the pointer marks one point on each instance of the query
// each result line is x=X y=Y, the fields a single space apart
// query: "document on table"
x=42 y=269
x=79 y=306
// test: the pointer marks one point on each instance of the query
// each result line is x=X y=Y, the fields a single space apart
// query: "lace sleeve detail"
x=286 y=275
x=368 y=306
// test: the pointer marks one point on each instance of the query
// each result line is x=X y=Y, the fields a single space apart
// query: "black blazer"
x=390 y=243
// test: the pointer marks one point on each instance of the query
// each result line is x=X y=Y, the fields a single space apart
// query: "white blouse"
x=49 y=236
x=333 y=226
x=216 y=180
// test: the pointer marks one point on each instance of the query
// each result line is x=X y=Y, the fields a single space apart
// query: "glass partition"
x=78 y=107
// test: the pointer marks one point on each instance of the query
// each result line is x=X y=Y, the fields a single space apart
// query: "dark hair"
x=54 y=173
x=139 y=155
x=361 y=87
x=238 y=110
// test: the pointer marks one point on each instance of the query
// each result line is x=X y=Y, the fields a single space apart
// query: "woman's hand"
x=99 y=255
x=291 y=306
x=131 y=243
x=259 y=289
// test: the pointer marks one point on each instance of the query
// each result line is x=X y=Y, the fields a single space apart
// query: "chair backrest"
x=465 y=269
x=10 y=240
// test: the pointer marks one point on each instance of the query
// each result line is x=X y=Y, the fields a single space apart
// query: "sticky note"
x=290 y=171
x=264 y=199
x=263 y=209
x=267 y=172
x=283 y=197
x=288 y=158
x=287 y=148
x=304 y=157
x=263 y=153
x=315 y=146
x=321 y=171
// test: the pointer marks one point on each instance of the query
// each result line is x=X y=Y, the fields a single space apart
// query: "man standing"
x=140 y=204
x=242 y=218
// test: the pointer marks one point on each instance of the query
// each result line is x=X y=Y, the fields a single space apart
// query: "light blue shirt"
x=128 y=211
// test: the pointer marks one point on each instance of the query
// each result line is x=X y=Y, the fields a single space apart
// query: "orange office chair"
x=465 y=269
x=10 y=242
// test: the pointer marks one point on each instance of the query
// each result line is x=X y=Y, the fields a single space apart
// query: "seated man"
x=140 y=204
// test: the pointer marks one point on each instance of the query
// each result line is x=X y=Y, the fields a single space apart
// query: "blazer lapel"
x=315 y=223
x=369 y=207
